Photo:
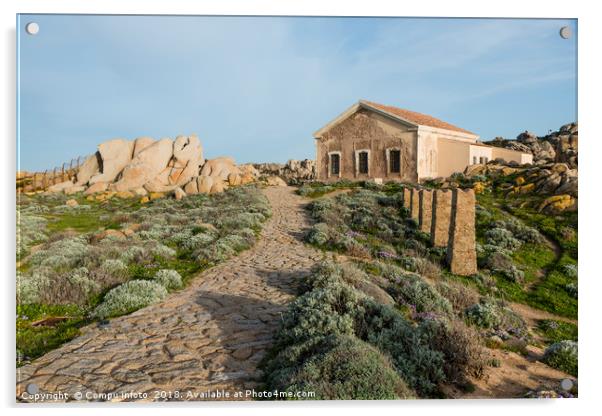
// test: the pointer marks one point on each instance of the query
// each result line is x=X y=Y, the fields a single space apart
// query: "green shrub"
x=318 y=234
x=492 y=314
x=417 y=363
x=411 y=290
x=336 y=367
x=502 y=238
x=163 y=251
x=129 y=297
x=169 y=279
x=461 y=346
x=114 y=267
x=563 y=356
x=570 y=270
x=483 y=315
x=555 y=331
x=458 y=294
x=332 y=308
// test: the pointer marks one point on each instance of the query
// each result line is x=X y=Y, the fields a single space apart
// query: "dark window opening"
x=335 y=164
x=395 y=161
x=474 y=160
x=363 y=156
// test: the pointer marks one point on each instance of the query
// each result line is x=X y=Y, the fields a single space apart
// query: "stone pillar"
x=425 y=212
x=407 y=194
x=461 y=251
x=442 y=199
x=414 y=204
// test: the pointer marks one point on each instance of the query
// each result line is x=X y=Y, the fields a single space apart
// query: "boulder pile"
x=559 y=146
x=147 y=167
x=556 y=180
x=294 y=172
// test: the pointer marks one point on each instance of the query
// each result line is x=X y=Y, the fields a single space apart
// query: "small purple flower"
x=386 y=255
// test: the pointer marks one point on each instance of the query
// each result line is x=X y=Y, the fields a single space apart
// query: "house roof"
x=413 y=117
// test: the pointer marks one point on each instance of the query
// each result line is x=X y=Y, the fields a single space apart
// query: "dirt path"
x=532 y=315
x=516 y=375
x=207 y=337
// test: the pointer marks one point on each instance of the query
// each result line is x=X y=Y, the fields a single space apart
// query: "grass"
x=545 y=280
x=317 y=189
x=555 y=331
x=34 y=341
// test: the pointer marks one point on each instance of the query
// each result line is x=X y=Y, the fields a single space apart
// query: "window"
x=395 y=161
x=363 y=162
x=481 y=160
x=335 y=164
x=474 y=160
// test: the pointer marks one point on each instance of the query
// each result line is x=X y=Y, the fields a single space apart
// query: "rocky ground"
x=210 y=336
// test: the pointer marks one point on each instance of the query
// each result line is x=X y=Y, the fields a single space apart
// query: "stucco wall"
x=428 y=155
x=454 y=156
x=511 y=155
x=371 y=131
x=478 y=152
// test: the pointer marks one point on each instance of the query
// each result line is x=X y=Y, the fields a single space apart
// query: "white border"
x=591 y=149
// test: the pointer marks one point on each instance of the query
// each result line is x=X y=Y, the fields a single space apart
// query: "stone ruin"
x=449 y=216
x=461 y=251
x=425 y=212
x=147 y=166
x=441 y=213
x=295 y=172
x=414 y=204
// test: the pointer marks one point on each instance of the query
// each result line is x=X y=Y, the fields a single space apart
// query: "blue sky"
x=256 y=88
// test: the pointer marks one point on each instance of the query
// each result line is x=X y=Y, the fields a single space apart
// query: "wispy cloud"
x=256 y=88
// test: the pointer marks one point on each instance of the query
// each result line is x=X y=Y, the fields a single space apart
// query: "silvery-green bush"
x=318 y=234
x=563 y=356
x=129 y=297
x=114 y=267
x=502 y=238
x=65 y=253
x=30 y=230
x=168 y=278
x=163 y=251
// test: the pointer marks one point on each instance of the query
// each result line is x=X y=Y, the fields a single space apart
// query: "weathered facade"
x=384 y=143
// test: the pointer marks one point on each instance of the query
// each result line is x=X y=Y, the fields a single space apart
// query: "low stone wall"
x=449 y=216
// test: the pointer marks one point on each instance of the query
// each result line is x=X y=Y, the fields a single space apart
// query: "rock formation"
x=559 y=146
x=147 y=167
x=293 y=172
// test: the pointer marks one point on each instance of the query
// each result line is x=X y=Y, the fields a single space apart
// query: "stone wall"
x=449 y=216
x=371 y=132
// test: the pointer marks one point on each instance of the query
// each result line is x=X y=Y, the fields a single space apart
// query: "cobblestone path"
x=208 y=337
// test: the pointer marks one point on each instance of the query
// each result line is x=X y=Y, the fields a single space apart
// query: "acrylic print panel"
x=252 y=208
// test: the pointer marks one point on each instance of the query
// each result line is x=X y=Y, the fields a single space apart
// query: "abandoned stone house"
x=380 y=142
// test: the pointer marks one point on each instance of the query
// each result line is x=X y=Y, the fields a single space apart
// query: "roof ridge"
x=415 y=117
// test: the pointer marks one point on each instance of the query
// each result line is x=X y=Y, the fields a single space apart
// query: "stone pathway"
x=208 y=337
